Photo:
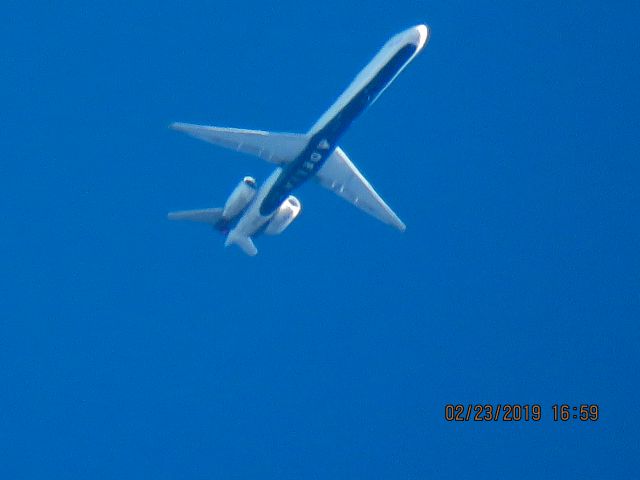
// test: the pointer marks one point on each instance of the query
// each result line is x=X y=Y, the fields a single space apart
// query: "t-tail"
x=303 y=156
x=245 y=243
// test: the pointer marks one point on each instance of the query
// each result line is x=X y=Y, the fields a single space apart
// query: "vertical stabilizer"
x=245 y=243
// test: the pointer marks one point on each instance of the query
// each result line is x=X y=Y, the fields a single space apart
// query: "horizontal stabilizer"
x=207 y=215
x=279 y=148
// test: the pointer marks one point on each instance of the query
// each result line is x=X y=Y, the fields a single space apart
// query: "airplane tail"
x=245 y=243
x=206 y=215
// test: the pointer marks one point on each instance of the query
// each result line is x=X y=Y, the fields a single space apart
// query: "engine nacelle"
x=285 y=214
x=239 y=198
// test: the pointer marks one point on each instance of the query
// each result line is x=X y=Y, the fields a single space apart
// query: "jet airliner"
x=270 y=209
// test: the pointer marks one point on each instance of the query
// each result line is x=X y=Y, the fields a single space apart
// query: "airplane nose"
x=422 y=35
x=417 y=36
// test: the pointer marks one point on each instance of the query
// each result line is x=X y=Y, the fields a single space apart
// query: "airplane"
x=270 y=209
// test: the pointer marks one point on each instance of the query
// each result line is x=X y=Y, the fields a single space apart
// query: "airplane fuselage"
x=300 y=157
x=324 y=135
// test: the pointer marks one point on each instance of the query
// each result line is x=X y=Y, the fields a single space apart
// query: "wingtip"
x=397 y=223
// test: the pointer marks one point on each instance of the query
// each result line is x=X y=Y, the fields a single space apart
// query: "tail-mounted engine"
x=285 y=214
x=239 y=198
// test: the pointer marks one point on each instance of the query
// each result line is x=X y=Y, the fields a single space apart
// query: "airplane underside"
x=270 y=209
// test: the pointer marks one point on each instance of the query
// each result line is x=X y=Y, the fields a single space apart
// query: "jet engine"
x=239 y=198
x=285 y=214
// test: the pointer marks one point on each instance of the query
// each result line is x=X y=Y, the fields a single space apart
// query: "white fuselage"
x=251 y=220
x=323 y=136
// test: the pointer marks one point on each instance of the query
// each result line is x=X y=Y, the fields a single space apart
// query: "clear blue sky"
x=133 y=347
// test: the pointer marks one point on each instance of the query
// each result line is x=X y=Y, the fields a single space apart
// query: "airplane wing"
x=207 y=215
x=341 y=176
x=279 y=148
